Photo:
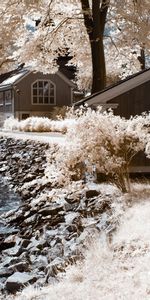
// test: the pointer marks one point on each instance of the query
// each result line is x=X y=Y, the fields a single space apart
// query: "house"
x=24 y=93
x=127 y=98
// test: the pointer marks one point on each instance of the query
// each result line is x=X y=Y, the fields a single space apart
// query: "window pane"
x=34 y=92
x=35 y=85
x=8 y=97
x=45 y=83
x=40 y=84
x=8 y=102
x=46 y=100
x=51 y=86
x=46 y=93
x=40 y=99
x=1 y=99
x=52 y=93
x=34 y=99
x=1 y=96
x=46 y=89
x=40 y=92
x=8 y=108
x=52 y=100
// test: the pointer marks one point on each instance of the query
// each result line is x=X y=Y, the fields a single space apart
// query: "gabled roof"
x=6 y=75
x=117 y=89
x=15 y=77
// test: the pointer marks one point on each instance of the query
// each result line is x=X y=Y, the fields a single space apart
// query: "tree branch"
x=87 y=14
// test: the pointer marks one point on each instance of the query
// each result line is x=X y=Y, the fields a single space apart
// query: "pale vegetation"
x=116 y=270
x=99 y=142
x=38 y=124
x=103 y=37
x=95 y=142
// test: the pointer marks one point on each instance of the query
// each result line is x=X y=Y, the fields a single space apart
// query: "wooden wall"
x=133 y=102
x=23 y=99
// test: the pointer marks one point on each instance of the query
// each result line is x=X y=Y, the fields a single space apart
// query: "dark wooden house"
x=127 y=98
x=24 y=93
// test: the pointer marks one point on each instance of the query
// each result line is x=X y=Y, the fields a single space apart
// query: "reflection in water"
x=8 y=201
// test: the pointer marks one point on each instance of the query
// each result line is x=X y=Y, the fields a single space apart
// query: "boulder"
x=18 y=280
x=92 y=193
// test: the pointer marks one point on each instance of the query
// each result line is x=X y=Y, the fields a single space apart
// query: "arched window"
x=43 y=92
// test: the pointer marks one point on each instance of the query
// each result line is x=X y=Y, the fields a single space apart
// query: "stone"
x=18 y=280
x=50 y=210
x=3 y=169
x=92 y=193
x=24 y=243
x=57 y=265
x=1 y=286
x=41 y=262
x=16 y=156
x=5 y=272
x=49 y=228
x=20 y=267
x=30 y=220
x=10 y=260
x=5 y=245
x=14 y=251
x=36 y=245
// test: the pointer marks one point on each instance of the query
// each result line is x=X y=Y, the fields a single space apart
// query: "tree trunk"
x=98 y=66
x=94 y=20
x=141 y=58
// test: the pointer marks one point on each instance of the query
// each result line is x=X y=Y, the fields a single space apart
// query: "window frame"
x=38 y=95
x=2 y=93
x=10 y=93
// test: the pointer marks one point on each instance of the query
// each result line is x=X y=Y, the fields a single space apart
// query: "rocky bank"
x=52 y=225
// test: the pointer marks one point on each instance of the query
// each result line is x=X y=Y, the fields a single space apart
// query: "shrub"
x=100 y=142
x=38 y=124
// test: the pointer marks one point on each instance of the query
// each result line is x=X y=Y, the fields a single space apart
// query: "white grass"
x=38 y=124
x=116 y=271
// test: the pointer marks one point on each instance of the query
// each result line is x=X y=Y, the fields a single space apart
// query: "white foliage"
x=11 y=124
x=119 y=270
x=62 y=28
x=38 y=124
x=98 y=140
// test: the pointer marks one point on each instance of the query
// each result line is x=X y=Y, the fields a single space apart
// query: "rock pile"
x=50 y=227
x=22 y=161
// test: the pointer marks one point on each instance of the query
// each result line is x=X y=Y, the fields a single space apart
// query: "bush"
x=38 y=124
x=100 y=142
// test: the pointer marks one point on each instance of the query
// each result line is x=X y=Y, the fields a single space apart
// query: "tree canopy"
x=103 y=36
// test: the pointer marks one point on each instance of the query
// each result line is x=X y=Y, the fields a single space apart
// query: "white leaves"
x=100 y=140
x=62 y=27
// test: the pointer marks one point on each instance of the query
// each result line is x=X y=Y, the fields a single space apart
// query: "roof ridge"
x=112 y=86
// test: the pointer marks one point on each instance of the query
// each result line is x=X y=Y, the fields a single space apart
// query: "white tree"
x=66 y=25
x=13 y=31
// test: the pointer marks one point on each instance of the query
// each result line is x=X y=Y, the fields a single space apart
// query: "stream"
x=8 y=201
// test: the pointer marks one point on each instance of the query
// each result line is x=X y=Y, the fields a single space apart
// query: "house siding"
x=128 y=98
x=23 y=99
x=133 y=102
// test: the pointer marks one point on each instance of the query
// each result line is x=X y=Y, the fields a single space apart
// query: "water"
x=8 y=201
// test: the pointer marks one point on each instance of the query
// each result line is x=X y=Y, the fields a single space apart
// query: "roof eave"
x=68 y=81
x=5 y=87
